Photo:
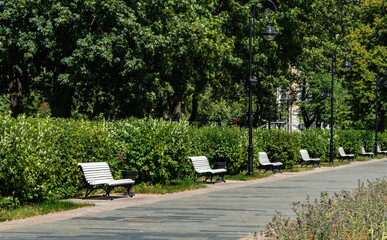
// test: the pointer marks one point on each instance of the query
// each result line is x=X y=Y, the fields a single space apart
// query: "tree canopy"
x=163 y=58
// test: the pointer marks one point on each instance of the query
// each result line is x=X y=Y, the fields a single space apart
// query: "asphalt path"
x=230 y=210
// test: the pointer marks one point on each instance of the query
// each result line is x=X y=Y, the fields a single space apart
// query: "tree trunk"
x=382 y=121
x=194 y=114
x=16 y=94
x=318 y=119
x=62 y=101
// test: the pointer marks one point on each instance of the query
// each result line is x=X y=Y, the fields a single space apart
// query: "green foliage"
x=156 y=149
x=39 y=156
x=9 y=203
x=382 y=140
x=279 y=144
x=367 y=139
x=316 y=141
x=350 y=140
x=221 y=142
x=369 y=52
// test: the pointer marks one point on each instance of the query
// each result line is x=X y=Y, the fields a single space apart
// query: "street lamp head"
x=269 y=33
x=346 y=65
x=385 y=83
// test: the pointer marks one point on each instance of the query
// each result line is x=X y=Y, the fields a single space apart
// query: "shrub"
x=9 y=203
x=39 y=156
x=280 y=144
x=360 y=214
x=382 y=140
x=158 y=150
x=229 y=144
x=350 y=140
x=316 y=141
x=367 y=139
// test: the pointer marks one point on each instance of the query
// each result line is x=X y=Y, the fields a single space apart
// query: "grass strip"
x=32 y=210
x=172 y=187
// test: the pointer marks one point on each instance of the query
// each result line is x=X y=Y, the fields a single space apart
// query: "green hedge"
x=279 y=144
x=39 y=156
x=158 y=150
x=316 y=141
x=224 y=143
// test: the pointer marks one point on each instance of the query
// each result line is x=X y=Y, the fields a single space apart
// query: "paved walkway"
x=229 y=210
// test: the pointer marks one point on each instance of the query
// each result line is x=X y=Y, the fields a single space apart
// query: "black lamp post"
x=346 y=66
x=270 y=113
x=268 y=34
x=376 y=110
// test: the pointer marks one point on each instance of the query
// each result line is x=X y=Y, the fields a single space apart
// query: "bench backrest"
x=200 y=163
x=263 y=158
x=378 y=148
x=363 y=150
x=94 y=171
x=304 y=154
x=341 y=151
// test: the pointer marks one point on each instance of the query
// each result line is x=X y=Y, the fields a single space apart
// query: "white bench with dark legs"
x=365 y=153
x=98 y=175
x=202 y=167
x=306 y=159
x=344 y=155
x=265 y=164
x=379 y=151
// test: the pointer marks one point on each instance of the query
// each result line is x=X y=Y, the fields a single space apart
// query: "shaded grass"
x=172 y=187
x=37 y=209
x=244 y=176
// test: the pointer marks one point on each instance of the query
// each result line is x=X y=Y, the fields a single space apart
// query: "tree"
x=369 y=51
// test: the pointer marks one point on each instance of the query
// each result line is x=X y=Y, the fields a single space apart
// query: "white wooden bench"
x=265 y=164
x=202 y=167
x=364 y=153
x=344 y=155
x=98 y=175
x=306 y=159
x=379 y=151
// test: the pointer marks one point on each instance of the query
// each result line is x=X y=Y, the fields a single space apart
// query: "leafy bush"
x=280 y=144
x=382 y=140
x=225 y=143
x=316 y=141
x=9 y=203
x=367 y=139
x=360 y=214
x=39 y=156
x=350 y=140
x=158 y=150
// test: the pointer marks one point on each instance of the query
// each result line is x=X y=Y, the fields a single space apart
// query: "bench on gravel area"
x=202 y=167
x=98 y=175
